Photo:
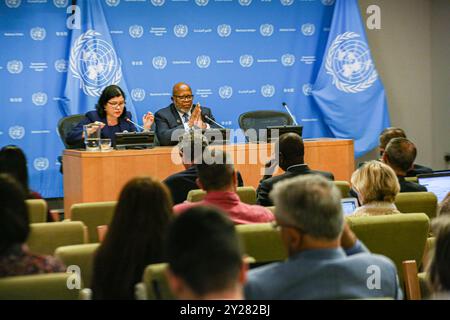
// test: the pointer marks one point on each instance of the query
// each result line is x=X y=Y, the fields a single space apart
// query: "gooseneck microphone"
x=216 y=123
x=289 y=111
x=129 y=120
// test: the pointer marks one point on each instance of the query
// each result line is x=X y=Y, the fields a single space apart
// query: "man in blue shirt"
x=326 y=261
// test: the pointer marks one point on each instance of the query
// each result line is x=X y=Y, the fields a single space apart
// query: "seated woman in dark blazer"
x=112 y=116
x=134 y=239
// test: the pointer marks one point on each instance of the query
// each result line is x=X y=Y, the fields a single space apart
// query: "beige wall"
x=411 y=52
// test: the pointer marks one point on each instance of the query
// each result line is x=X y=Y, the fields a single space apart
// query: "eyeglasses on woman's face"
x=116 y=104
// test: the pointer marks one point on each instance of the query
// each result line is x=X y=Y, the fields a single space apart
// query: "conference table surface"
x=100 y=176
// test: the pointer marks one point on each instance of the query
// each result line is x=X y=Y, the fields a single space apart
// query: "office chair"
x=65 y=125
x=262 y=119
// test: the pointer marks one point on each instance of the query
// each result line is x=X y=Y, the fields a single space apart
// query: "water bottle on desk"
x=92 y=136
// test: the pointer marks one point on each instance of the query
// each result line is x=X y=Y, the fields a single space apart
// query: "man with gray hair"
x=326 y=260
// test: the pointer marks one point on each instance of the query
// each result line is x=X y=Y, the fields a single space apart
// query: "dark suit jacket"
x=266 y=185
x=182 y=182
x=167 y=120
x=74 y=137
x=408 y=186
x=418 y=169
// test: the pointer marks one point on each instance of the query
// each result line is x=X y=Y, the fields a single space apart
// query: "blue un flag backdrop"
x=93 y=62
x=348 y=89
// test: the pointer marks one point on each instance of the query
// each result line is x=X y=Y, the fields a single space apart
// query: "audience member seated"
x=439 y=268
x=216 y=175
x=400 y=154
x=205 y=256
x=444 y=206
x=326 y=261
x=134 y=239
x=14 y=162
x=15 y=257
x=192 y=147
x=376 y=186
x=393 y=132
x=111 y=115
x=291 y=160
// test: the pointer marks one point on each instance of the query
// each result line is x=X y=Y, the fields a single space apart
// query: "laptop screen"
x=438 y=183
x=349 y=205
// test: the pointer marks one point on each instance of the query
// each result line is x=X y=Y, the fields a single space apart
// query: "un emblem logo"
x=158 y=3
x=112 y=3
x=245 y=3
x=16 y=132
x=38 y=34
x=246 y=60
x=286 y=2
x=13 y=3
x=225 y=92
x=224 y=30
x=180 y=30
x=41 y=164
x=201 y=3
x=203 y=61
x=308 y=29
x=287 y=60
x=39 y=98
x=61 y=65
x=138 y=94
x=60 y=3
x=14 y=66
x=307 y=89
x=328 y=2
x=94 y=62
x=349 y=63
x=267 y=91
x=136 y=31
x=266 y=30
x=159 y=62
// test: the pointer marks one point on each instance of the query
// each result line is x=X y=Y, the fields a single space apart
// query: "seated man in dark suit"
x=400 y=154
x=192 y=146
x=392 y=132
x=180 y=116
x=291 y=160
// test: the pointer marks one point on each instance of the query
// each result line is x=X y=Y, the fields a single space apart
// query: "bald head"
x=292 y=150
x=182 y=96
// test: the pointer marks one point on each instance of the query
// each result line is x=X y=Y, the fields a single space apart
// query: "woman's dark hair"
x=14 y=162
x=14 y=222
x=134 y=239
x=439 y=268
x=108 y=93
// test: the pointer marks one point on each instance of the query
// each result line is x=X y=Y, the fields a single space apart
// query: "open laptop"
x=349 y=205
x=436 y=182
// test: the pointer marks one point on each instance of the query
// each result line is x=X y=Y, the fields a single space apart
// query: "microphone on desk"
x=129 y=120
x=215 y=122
x=289 y=111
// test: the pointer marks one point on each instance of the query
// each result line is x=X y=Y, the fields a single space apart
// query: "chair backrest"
x=411 y=179
x=426 y=202
x=246 y=194
x=37 y=210
x=93 y=214
x=156 y=283
x=49 y=286
x=65 y=125
x=262 y=242
x=344 y=187
x=398 y=236
x=81 y=255
x=261 y=119
x=44 y=238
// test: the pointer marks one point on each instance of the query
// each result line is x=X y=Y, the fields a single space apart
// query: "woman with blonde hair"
x=377 y=186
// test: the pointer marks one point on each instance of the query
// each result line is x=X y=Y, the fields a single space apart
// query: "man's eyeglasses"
x=277 y=226
x=185 y=98
x=115 y=105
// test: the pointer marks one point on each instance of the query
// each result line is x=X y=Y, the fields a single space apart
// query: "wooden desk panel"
x=99 y=176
